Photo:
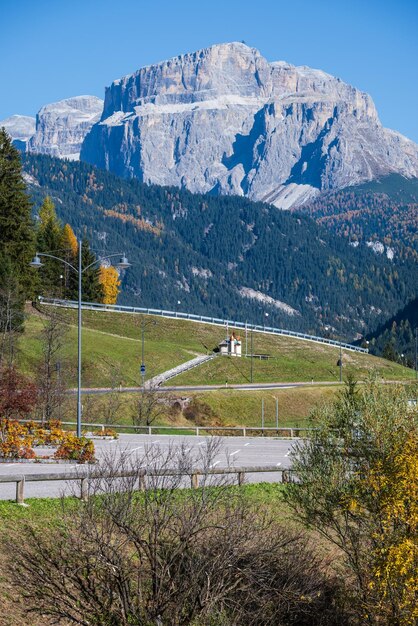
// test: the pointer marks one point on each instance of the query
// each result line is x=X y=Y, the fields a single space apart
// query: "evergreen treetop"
x=16 y=226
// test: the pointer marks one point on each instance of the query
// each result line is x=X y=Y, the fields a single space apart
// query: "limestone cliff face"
x=20 y=128
x=226 y=120
x=62 y=126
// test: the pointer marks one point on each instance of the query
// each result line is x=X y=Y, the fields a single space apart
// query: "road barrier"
x=141 y=475
x=118 y=308
x=290 y=432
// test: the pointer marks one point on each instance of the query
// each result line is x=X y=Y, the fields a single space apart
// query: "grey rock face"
x=225 y=120
x=62 y=126
x=20 y=128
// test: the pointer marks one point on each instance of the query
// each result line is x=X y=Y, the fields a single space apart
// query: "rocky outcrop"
x=62 y=126
x=20 y=128
x=225 y=120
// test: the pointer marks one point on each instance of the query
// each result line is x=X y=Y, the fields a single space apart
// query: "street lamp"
x=265 y=319
x=123 y=264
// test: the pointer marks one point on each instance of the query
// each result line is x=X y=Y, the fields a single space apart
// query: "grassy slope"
x=231 y=407
x=112 y=347
x=112 y=353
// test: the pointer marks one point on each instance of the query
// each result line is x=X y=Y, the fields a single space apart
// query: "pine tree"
x=16 y=227
x=49 y=240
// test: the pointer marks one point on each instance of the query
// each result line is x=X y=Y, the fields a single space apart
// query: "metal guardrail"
x=84 y=478
x=118 y=308
x=289 y=432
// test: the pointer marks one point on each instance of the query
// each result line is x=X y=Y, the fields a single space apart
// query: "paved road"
x=239 y=451
x=242 y=387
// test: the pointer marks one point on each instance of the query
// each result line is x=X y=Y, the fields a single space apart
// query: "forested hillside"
x=384 y=211
x=225 y=256
x=397 y=336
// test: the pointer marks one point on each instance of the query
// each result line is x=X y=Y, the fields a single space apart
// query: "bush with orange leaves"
x=75 y=448
x=15 y=441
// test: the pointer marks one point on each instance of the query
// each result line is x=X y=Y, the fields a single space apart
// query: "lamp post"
x=144 y=324
x=265 y=319
x=123 y=264
x=252 y=355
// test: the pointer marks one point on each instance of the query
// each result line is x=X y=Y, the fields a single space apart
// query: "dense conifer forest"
x=396 y=339
x=384 y=211
x=201 y=250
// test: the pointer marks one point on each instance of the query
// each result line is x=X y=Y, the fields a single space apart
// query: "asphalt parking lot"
x=231 y=451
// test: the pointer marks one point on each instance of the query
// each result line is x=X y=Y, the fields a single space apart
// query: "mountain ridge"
x=224 y=120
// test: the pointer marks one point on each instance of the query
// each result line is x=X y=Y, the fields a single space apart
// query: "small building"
x=231 y=346
x=224 y=347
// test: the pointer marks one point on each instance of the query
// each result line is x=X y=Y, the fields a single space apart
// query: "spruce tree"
x=49 y=240
x=16 y=226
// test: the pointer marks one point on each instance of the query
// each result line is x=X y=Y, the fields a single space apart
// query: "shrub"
x=172 y=556
x=15 y=442
x=358 y=477
x=106 y=432
x=75 y=448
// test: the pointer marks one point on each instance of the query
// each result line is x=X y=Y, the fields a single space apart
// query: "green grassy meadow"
x=112 y=356
x=112 y=350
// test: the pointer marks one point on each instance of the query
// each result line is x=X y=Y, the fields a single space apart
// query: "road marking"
x=287 y=453
x=246 y=444
x=236 y=452
x=278 y=464
x=202 y=443
x=216 y=463
x=134 y=449
x=156 y=441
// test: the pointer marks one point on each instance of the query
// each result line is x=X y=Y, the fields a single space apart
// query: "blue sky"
x=54 y=49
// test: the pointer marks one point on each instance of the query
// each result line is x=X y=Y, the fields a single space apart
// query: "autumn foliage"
x=69 y=240
x=358 y=486
x=110 y=282
x=18 y=394
x=18 y=440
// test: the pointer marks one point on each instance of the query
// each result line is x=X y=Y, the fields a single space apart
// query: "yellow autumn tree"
x=69 y=240
x=358 y=486
x=110 y=282
x=394 y=555
x=69 y=245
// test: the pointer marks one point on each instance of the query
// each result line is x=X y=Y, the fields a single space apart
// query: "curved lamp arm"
x=57 y=258
x=99 y=260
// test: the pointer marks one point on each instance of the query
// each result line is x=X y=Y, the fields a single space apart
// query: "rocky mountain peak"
x=62 y=126
x=20 y=128
x=59 y=128
x=225 y=120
